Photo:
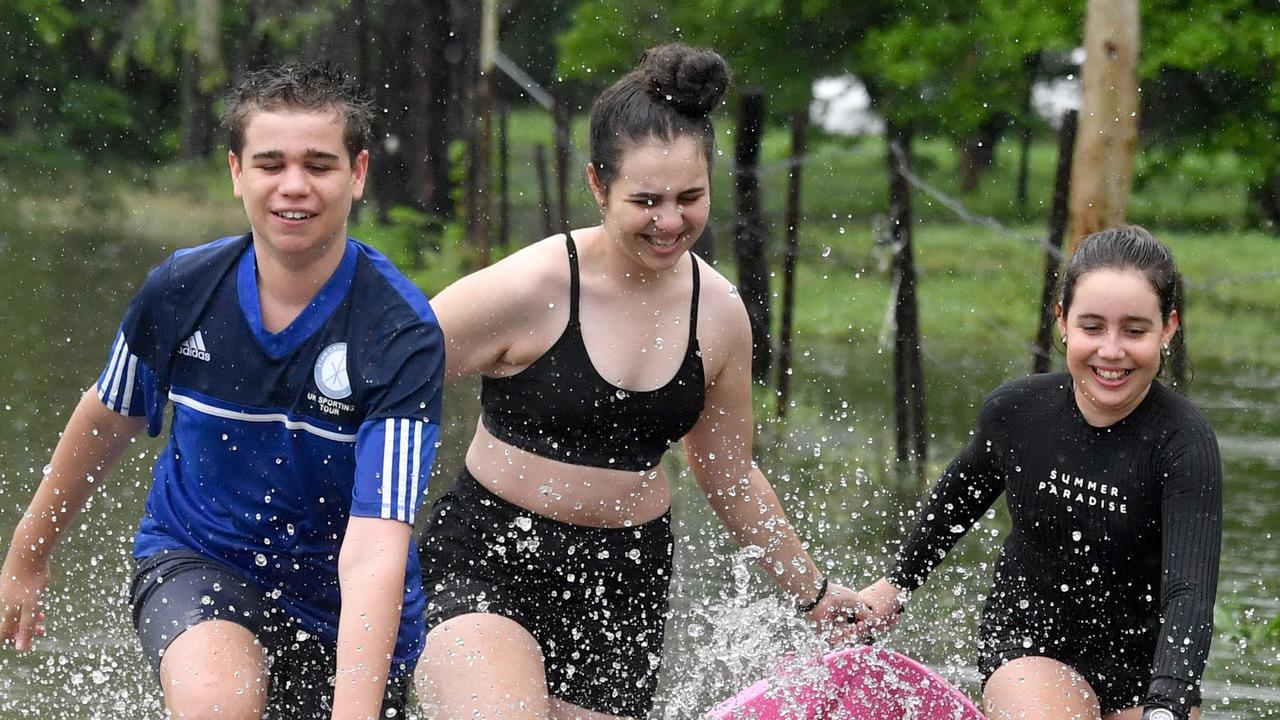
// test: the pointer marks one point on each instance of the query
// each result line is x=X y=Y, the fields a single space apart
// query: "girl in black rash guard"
x=546 y=566
x=1102 y=604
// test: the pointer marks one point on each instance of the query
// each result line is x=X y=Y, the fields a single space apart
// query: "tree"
x=1211 y=81
x=1102 y=168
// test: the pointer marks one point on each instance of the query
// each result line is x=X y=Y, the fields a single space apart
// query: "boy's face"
x=297 y=182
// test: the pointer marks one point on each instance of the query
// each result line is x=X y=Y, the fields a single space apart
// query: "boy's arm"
x=94 y=439
x=371 y=573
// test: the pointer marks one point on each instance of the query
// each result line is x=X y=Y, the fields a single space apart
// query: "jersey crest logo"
x=193 y=347
x=331 y=372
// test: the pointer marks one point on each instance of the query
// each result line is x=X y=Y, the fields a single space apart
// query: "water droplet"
x=260 y=560
x=657 y=342
x=524 y=523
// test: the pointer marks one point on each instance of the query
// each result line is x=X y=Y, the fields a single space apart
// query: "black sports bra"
x=560 y=408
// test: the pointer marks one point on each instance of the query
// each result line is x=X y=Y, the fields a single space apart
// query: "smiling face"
x=1114 y=334
x=659 y=201
x=298 y=182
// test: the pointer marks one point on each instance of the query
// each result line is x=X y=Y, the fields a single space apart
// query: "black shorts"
x=175 y=590
x=595 y=599
x=1112 y=650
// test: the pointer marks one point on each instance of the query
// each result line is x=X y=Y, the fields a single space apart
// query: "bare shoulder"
x=530 y=274
x=724 y=329
x=531 y=269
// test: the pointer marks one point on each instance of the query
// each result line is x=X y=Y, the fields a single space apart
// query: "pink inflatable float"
x=863 y=683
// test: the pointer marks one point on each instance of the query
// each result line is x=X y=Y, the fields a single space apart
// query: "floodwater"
x=60 y=302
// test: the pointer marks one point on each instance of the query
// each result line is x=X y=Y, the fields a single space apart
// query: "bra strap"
x=573 y=278
x=693 y=306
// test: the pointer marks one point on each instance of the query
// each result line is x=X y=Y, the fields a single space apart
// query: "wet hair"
x=313 y=87
x=1132 y=247
x=670 y=94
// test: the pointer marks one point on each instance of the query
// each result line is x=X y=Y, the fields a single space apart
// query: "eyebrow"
x=310 y=154
x=1126 y=318
x=644 y=195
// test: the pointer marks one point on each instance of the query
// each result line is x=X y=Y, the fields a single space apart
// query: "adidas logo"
x=194 y=347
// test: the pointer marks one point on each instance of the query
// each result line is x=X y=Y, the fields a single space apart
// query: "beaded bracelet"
x=822 y=592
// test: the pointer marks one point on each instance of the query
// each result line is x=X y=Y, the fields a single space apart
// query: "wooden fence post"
x=562 y=122
x=544 y=189
x=749 y=245
x=504 y=179
x=799 y=124
x=908 y=371
x=1057 y=229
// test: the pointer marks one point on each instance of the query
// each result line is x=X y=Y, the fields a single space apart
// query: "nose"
x=1111 y=348
x=293 y=181
x=667 y=217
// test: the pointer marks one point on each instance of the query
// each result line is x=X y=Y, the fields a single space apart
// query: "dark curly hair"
x=670 y=94
x=302 y=87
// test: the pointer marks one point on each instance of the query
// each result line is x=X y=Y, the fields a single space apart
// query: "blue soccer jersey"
x=277 y=438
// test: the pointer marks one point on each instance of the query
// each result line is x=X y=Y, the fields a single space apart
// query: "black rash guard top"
x=561 y=408
x=1116 y=531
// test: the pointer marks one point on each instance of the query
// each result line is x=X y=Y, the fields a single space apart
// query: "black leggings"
x=595 y=599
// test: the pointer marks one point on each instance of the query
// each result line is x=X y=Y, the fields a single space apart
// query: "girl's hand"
x=883 y=606
x=839 y=614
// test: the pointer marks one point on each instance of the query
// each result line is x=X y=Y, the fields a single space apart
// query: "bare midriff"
x=574 y=494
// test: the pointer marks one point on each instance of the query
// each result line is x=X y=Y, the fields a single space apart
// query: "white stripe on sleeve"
x=104 y=386
x=417 y=469
x=402 y=477
x=388 y=440
x=117 y=374
x=126 y=405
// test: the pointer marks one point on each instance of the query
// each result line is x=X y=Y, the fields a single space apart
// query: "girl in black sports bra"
x=1102 y=600
x=546 y=566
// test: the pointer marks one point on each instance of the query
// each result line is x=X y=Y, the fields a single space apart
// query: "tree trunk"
x=482 y=156
x=200 y=61
x=1102 y=172
x=411 y=148
x=464 y=72
x=979 y=152
x=1264 y=199
x=749 y=245
x=432 y=174
x=395 y=87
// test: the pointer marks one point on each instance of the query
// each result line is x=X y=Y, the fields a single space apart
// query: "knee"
x=210 y=696
x=215 y=670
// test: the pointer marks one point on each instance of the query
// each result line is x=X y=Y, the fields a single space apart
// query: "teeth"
x=662 y=243
x=1111 y=374
x=294 y=215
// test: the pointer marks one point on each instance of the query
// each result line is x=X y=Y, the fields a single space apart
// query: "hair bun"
x=692 y=80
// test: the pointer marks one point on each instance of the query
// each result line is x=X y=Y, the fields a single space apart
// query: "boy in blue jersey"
x=274 y=566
